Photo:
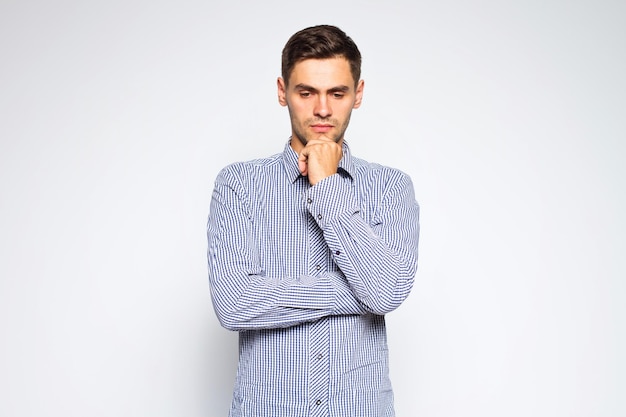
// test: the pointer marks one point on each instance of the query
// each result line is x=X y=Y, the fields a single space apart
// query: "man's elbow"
x=229 y=324
x=381 y=304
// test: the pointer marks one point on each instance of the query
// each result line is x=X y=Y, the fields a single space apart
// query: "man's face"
x=320 y=96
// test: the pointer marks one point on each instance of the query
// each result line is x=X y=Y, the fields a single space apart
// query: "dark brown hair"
x=320 y=42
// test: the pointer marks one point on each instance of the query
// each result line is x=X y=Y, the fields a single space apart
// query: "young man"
x=310 y=248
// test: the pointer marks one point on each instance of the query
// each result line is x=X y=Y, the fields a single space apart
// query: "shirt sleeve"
x=243 y=296
x=379 y=257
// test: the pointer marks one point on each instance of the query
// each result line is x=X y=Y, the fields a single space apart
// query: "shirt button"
x=308 y=200
x=320 y=356
x=318 y=402
x=337 y=253
x=318 y=267
x=319 y=216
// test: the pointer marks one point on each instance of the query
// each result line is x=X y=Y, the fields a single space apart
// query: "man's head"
x=320 y=42
x=320 y=83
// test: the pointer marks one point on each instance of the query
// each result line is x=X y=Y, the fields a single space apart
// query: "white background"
x=115 y=117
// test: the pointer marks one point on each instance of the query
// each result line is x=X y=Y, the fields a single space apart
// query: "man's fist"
x=319 y=159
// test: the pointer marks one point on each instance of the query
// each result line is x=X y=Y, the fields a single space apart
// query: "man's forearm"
x=379 y=260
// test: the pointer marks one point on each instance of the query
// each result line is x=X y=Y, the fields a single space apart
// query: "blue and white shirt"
x=306 y=274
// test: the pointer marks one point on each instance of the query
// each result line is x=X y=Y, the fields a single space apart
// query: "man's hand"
x=319 y=159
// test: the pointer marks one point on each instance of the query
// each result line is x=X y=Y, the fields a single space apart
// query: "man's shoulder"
x=249 y=167
x=366 y=169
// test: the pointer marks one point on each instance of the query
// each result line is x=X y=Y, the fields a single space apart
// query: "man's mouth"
x=321 y=128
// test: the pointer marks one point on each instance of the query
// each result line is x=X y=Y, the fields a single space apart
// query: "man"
x=310 y=248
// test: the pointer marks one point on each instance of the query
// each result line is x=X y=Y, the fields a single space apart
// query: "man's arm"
x=379 y=259
x=244 y=297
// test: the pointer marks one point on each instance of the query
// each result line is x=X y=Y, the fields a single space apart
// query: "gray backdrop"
x=115 y=117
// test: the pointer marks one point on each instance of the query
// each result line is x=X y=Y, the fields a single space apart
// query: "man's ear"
x=282 y=91
x=359 y=94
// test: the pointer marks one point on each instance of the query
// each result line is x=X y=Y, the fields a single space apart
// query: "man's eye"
x=338 y=95
x=305 y=94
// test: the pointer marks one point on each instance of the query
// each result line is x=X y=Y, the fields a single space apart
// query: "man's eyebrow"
x=304 y=87
x=340 y=88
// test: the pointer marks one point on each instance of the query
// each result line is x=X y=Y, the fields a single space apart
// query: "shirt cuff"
x=330 y=199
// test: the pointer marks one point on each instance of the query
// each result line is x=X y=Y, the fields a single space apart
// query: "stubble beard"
x=302 y=137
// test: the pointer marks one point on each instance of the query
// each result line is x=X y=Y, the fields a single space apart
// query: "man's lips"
x=321 y=128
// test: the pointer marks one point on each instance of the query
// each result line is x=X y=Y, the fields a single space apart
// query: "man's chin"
x=304 y=140
x=327 y=137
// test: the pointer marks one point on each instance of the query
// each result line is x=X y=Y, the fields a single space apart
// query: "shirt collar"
x=290 y=161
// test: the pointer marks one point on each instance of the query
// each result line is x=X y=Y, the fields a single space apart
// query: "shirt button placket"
x=319 y=372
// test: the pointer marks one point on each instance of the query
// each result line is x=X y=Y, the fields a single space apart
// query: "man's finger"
x=302 y=163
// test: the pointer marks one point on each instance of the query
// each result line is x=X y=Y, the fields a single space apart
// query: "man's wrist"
x=331 y=198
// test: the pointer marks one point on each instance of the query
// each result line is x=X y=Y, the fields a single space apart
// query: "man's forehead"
x=329 y=72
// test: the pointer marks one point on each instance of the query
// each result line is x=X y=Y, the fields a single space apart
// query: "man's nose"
x=322 y=107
